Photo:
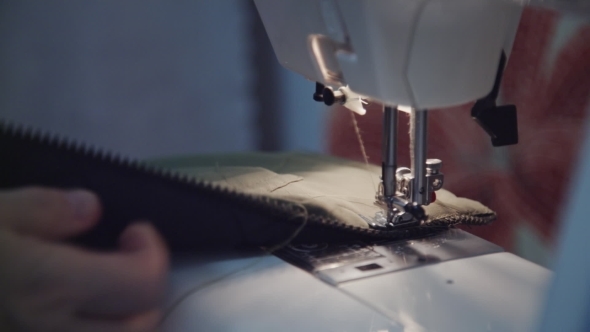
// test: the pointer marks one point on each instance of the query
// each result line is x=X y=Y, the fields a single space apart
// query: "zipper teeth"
x=19 y=132
x=36 y=136
x=397 y=233
x=278 y=206
x=464 y=219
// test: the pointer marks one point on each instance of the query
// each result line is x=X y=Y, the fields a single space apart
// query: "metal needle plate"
x=338 y=263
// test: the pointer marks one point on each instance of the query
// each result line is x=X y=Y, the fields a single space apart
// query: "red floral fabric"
x=525 y=183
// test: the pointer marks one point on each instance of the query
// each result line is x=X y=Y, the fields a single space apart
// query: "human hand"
x=47 y=285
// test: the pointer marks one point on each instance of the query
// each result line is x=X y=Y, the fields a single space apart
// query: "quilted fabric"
x=336 y=188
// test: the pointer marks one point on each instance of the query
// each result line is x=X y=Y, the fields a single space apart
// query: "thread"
x=359 y=137
x=288 y=240
x=200 y=287
x=303 y=214
x=267 y=251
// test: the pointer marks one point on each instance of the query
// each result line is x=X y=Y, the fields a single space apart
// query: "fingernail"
x=83 y=203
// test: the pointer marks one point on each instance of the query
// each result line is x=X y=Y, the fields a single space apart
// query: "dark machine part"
x=500 y=122
x=415 y=210
x=331 y=97
x=327 y=95
x=318 y=95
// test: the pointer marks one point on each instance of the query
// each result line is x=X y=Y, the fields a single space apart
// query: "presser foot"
x=396 y=213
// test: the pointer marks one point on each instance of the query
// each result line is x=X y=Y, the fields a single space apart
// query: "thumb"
x=141 y=237
x=124 y=283
x=48 y=213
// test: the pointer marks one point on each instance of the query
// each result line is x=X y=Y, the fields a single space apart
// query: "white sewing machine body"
x=418 y=54
x=491 y=291
x=422 y=54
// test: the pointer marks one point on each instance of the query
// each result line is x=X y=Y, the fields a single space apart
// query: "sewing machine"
x=410 y=56
x=406 y=55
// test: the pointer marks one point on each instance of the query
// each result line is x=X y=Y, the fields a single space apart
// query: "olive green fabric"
x=339 y=188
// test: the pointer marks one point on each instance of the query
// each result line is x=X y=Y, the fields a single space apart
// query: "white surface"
x=424 y=54
x=270 y=295
x=496 y=292
x=354 y=101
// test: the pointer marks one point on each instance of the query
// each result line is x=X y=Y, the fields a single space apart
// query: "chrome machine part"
x=389 y=165
x=389 y=151
x=397 y=209
x=337 y=264
x=434 y=178
x=424 y=178
x=403 y=191
x=419 y=140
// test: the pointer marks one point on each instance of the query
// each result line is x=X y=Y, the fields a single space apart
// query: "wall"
x=146 y=78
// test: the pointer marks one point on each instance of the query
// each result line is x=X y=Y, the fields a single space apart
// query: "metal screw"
x=437 y=183
x=433 y=166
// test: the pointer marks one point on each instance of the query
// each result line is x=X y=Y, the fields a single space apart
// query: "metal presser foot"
x=403 y=191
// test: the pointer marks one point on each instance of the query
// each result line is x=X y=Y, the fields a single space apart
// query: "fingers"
x=147 y=321
x=124 y=283
x=77 y=289
x=48 y=213
x=72 y=289
x=143 y=322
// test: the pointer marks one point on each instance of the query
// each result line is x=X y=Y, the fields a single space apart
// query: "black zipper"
x=32 y=157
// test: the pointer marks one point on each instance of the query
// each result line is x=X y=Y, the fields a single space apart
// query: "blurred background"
x=150 y=79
